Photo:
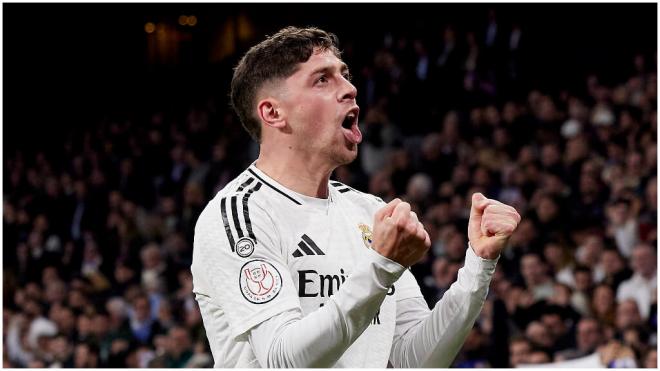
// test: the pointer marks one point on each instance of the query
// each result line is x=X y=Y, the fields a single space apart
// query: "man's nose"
x=348 y=92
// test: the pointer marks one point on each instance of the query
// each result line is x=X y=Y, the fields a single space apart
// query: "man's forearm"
x=321 y=338
x=432 y=339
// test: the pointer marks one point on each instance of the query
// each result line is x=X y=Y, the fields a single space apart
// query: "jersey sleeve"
x=238 y=263
x=407 y=287
x=426 y=338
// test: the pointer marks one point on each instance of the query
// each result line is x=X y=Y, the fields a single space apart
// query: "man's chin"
x=348 y=156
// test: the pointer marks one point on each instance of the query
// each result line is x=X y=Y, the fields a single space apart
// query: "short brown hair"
x=274 y=58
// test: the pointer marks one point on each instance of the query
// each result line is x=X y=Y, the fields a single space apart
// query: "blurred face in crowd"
x=524 y=234
x=55 y=291
x=76 y=299
x=627 y=314
x=532 y=269
x=588 y=335
x=84 y=357
x=316 y=106
x=455 y=247
x=100 y=325
x=561 y=294
x=547 y=209
x=518 y=352
x=603 y=299
x=643 y=260
x=611 y=262
x=618 y=213
x=151 y=256
x=590 y=250
x=583 y=280
x=589 y=186
x=178 y=341
x=59 y=347
x=444 y=272
x=66 y=320
x=555 y=325
x=550 y=155
x=84 y=325
x=538 y=333
x=142 y=308
x=554 y=254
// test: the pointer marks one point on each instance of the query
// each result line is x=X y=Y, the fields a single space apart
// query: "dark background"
x=68 y=64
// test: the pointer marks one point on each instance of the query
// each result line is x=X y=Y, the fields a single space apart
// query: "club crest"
x=366 y=235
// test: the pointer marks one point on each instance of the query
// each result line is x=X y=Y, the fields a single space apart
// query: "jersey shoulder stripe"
x=229 y=204
x=355 y=194
x=341 y=187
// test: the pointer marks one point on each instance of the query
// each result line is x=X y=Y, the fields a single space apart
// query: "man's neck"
x=298 y=173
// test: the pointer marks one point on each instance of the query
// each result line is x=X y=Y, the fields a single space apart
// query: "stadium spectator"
x=642 y=286
x=588 y=337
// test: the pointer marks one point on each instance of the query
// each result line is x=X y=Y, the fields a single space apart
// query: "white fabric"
x=377 y=315
x=627 y=236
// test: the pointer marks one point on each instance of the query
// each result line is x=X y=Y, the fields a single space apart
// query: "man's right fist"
x=398 y=235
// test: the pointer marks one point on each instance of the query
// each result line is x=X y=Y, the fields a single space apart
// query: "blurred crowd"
x=98 y=230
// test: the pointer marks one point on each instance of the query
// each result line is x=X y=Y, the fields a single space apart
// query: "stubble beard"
x=341 y=158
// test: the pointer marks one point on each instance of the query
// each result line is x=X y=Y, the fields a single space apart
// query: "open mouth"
x=350 y=126
x=349 y=120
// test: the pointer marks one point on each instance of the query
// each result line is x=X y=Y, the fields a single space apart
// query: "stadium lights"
x=185 y=20
x=149 y=27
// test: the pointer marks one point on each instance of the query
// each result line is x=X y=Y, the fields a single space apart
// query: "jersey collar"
x=295 y=197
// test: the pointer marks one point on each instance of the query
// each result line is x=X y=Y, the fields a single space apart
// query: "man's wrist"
x=484 y=255
x=387 y=270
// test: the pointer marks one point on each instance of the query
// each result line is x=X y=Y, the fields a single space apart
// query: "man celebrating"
x=291 y=269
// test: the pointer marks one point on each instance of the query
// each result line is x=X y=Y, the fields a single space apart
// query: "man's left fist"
x=490 y=226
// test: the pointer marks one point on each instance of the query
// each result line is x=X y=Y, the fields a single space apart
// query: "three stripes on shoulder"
x=236 y=217
x=306 y=246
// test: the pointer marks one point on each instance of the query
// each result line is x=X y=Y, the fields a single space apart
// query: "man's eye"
x=322 y=79
x=347 y=76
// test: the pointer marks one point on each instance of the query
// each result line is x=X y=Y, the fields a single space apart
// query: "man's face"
x=518 y=352
x=532 y=268
x=320 y=107
x=588 y=335
x=627 y=314
x=643 y=261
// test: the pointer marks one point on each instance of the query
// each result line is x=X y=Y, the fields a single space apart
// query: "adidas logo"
x=307 y=247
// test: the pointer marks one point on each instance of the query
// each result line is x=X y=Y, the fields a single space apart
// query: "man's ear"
x=271 y=113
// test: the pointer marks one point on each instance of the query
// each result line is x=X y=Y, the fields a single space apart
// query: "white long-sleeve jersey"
x=287 y=280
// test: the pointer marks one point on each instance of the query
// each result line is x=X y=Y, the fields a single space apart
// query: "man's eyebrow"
x=343 y=67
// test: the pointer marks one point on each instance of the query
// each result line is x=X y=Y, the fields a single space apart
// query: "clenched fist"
x=490 y=226
x=398 y=235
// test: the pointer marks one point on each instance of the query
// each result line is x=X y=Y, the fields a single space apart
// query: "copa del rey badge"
x=366 y=235
x=260 y=282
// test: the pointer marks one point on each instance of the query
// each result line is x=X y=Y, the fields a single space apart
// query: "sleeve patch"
x=259 y=281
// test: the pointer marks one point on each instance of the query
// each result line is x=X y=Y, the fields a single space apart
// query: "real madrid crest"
x=366 y=235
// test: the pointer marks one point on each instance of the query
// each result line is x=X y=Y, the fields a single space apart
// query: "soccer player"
x=292 y=269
